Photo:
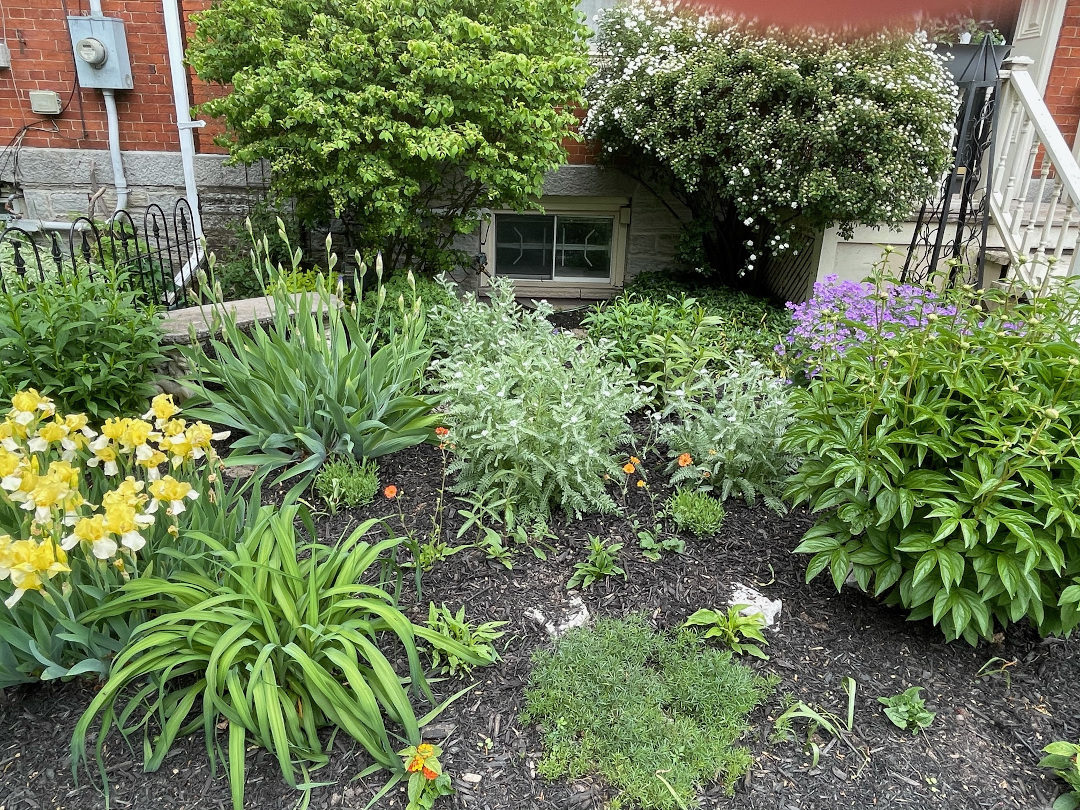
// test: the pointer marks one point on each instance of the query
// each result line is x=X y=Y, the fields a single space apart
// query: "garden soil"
x=981 y=751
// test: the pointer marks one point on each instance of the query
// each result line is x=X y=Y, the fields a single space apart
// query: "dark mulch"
x=981 y=751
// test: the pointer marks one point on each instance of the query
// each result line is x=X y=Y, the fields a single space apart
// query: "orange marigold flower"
x=628 y=468
x=640 y=483
x=415 y=764
x=441 y=431
x=685 y=460
x=429 y=774
x=390 y=491
x=635 y=460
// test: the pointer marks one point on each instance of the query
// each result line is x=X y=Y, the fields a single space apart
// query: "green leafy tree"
x=761 y=139
x=401 y=117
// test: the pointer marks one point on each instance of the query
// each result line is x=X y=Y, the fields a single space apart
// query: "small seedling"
x=436 y=551
x=997 y=666
x=908 y=711
x=599 y=564
x=344 y=481
x=820 y=719
x=733 y=629
x=477 y=638
x=1062 y=759
x=697 y=512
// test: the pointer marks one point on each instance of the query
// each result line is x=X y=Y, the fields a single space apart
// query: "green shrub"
x=664 y=344
x=766 y=137
x=275 y=640
x=402 y=119
x=696 y=512
x=728 y=434
x=309 y=384
x=344 y=481
x=89 y=344
x=908 y=711
x=535 y=416
x=736 y=629
x=657 y=716
x=943 y=462
x=748 y=322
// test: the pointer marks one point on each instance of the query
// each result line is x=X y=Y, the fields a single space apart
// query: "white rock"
x=575 y=615
x=757 y=602
x=471 y=778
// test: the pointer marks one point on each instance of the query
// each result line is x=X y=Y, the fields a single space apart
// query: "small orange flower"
x=628 y=468
x=415 y=764
x=441 y=431
x=705 y=473
x=635 y=460
x=685 y=460
x=429 y=774
x=640 y=483
x=390 y=491
x=425 y=750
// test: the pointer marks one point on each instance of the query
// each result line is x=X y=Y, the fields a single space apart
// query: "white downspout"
x=182 y=103
x=119 y=178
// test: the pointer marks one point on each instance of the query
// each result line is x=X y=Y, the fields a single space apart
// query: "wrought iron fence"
x=158 y=256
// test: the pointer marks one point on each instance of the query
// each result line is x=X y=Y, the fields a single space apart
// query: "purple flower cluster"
x=843 y=313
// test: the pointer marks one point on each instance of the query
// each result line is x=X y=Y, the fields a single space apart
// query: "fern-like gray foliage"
x=534 y=413
x=730 y=427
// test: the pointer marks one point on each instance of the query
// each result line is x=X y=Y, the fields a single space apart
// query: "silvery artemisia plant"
x=534 y=413
x=727 y=436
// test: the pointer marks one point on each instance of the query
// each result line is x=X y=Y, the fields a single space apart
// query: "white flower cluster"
x=832 y=131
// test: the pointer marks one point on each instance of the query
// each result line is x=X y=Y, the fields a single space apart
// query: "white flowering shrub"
x=726 y=438
x=762 y=137
x=534 y=414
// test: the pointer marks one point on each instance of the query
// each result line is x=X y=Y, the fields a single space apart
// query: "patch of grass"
x=657 y=716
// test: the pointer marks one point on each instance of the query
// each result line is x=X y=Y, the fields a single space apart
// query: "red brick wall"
x=1063 y=88
x=41 y=59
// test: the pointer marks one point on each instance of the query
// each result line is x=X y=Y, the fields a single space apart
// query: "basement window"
x=558 y=247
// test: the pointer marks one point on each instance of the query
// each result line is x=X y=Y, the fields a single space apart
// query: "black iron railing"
x=159 y=255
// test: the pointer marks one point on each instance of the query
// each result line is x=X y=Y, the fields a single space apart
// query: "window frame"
x=618 y=208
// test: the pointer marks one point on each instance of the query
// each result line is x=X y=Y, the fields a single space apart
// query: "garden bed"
x=980 y=752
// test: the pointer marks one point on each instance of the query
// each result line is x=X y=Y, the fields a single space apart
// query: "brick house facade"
x=54 y=167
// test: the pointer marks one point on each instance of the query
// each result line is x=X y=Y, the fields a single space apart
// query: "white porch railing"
x=1035 y=192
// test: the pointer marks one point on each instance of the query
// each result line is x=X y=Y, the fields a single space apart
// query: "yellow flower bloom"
x=28 y=405
x=9 y=462
x=162 y=409
x=26 y=562
x=104 y=454
x=49 y=433
x=95 y=532
x=114 y=428
x=169 y=490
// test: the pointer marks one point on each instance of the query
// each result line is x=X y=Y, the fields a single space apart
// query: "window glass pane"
x=523 y=245
x=590 y=8
x=583 y=248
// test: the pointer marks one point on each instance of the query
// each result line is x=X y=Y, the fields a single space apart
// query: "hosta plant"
x=941 y=458
x=274 y=639
x=310 y=384
x=727 y=435
x=737 y=629
x=478 y=638
x=1064 y=759
x=84 y=508
x=535 y=416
